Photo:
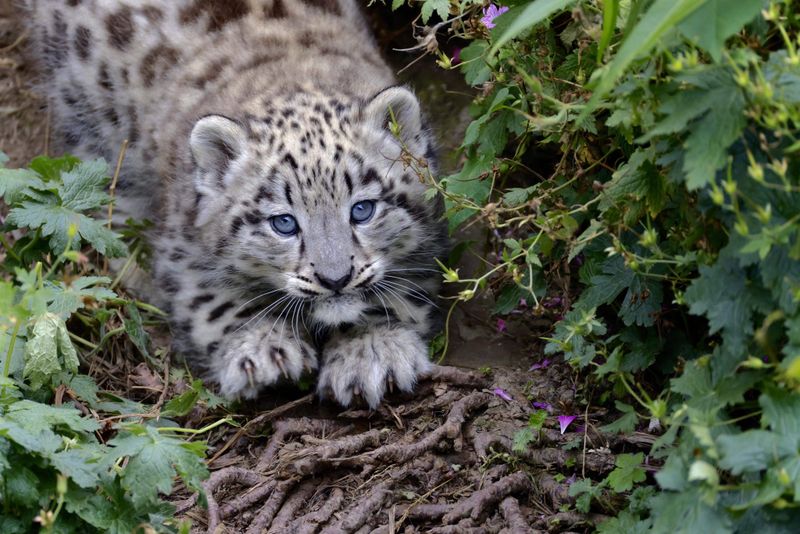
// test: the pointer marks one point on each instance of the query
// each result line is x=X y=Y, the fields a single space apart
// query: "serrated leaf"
x=440 y=7
x=135 y=328
x=627 y=473
x=83 y=187
x=48 y=350
x=79 y=464
x=14 y=183
x=54 y=222
x=154 y=462
x=752 y=451
x=473 y=64
x=51 y=168
x=716 y=20
x=67 y=299
x=625 y=424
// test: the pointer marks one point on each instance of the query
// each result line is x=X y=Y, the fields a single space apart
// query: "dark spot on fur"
x=156 y=62
x=133 y=127
x=328 y=6
x=212 y=347
x=276 y=10
x=217 y=312
x=236 y=225
x=263 y=193
x=152 y=14
x=103 y=78
x=83 y=38
x=201 y=299
x=120 y=28
x=370 y=176
x=170 y=285
x=217 y=13
x=253 y=217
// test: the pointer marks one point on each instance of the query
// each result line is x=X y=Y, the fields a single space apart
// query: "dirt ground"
x=440 y=460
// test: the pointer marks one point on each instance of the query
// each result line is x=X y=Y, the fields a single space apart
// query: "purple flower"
x=543 y=406
x=456 y=56
x=552 y=302
x=490 y=13
x=565 y=420
x=501 y=325
x=502 y=394
x=541 y=365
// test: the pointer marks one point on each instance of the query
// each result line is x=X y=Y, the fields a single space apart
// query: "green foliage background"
x=107 y=467
x=642 y=157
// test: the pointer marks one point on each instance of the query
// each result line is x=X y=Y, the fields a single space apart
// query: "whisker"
x=396 y=296
x=421 y=295
x=385 y=309
x=263 y=312
x=256 y=298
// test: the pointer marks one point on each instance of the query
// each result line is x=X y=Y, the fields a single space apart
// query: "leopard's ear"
x=395 y=105
x=216 y=143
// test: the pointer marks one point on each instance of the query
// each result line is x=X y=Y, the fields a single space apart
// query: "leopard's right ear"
x=216 y=143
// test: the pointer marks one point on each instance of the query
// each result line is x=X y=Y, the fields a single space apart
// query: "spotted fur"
x=237 y=112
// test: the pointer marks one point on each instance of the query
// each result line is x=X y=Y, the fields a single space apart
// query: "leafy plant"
x=637 y=165
x=73 y=457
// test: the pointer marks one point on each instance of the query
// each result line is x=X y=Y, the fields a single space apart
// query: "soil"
x=440 y=460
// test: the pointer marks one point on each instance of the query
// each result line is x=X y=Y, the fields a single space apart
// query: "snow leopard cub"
x=291 y=233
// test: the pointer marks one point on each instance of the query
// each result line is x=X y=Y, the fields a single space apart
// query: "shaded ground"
x=440 y=460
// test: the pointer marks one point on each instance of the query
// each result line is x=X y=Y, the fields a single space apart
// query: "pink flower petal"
x=543 y=406
x=565 y=420
x=501 y=325
x=502 y=394
x=541 y=365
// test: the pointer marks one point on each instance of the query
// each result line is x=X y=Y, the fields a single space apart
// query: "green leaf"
x=752 y=451
x=661 y=18
x=83 y=187
x=154 y=462
x=610 y=11
x=532 y=14
x=441 y=7
x=135 y=328
x=627 y=473
x=397 y=4
x=54 y=222
x=183 y=403
x=716 y=20
x=473 y=65
x=51 y=168
x=79 y=464
x=48 y=350
x=625 y=424
x=14 y=183
x=67 y=299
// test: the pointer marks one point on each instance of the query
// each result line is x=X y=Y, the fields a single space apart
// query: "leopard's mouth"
x=338 y=308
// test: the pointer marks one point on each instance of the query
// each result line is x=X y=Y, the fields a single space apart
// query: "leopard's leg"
x=365 y=364
x=242 y=345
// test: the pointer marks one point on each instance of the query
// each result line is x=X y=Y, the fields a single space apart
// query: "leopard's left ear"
x=395 y=105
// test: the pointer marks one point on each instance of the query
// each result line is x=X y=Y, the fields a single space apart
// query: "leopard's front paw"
x=254 y=360
x=364 y=365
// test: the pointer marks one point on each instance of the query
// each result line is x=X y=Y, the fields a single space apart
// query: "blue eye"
x=362 y=211
x=285 y=224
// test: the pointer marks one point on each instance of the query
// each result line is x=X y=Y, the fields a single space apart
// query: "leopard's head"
x=321 y=198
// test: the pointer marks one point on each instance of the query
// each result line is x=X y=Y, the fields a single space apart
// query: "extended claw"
x=249 y=368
